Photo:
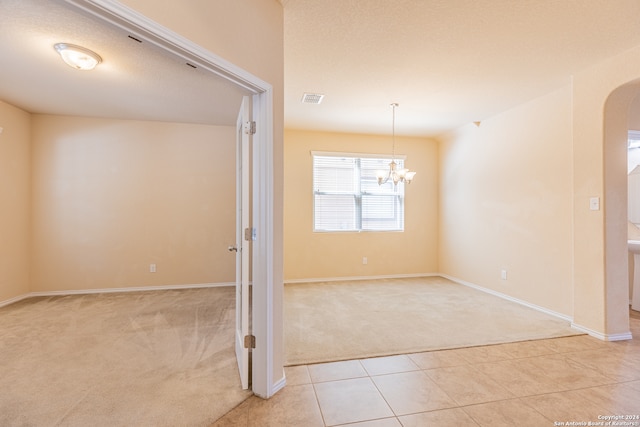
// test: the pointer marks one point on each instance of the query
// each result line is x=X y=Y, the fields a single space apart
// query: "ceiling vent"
x=312 y=98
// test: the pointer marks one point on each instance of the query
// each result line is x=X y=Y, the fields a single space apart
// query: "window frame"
x=358 y=193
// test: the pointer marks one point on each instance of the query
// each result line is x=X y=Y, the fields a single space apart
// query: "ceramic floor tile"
x=627 y=348
x=521 y=377
x=506 y=413
x=568 y=373
x=565 y=406
x=438 y=359
x=467 y=385
x=385 y=422
x=619 y=399
x=350 y=401
x=520 y=350
x=575 y=343
x=491 y=353
x=613 y=364
x=297 y=375
x=334 y=371
x=293 y=406
x=444 y=418
x=411 y=392
x=389 y=365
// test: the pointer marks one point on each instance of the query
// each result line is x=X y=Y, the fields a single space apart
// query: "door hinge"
x=250 y=128
x=249 y=341
x=250 y=234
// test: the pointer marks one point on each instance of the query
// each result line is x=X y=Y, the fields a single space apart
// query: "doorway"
x=617 y=114
x=268 y=376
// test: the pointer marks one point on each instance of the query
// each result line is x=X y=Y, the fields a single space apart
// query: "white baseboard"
x=350 y=278
x=14 y=299
x=591 y=332
x=604 y=337
x=112 y=290
x=509 y=298
x=279 y=385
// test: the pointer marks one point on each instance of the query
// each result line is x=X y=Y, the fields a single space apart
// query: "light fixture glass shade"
x=409 y=176
x=77 y=57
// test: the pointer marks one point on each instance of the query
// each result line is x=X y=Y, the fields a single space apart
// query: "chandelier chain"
x=393 y=131
x=394 y=174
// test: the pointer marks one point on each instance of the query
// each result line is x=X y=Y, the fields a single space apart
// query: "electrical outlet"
x=503 y=274
x=364 y=260
x=152 y=268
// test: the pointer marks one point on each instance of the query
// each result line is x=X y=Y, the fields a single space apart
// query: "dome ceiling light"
x=77 y=57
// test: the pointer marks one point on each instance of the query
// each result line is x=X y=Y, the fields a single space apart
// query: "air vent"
x=312 y=98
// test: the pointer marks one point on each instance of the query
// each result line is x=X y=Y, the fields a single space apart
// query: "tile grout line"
x=611 y=380
x=315 y=393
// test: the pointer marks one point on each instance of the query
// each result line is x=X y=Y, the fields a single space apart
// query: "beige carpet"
x=350 y=320
x=158 y=358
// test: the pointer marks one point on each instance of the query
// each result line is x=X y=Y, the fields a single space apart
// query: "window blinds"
x=347 y=196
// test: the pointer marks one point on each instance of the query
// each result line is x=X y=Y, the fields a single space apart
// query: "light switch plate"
x=594 y=203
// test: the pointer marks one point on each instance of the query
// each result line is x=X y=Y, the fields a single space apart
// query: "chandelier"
x=396 y=175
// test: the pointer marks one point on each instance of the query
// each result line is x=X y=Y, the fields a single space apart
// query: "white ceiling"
x=446 y=62
x=134 y=81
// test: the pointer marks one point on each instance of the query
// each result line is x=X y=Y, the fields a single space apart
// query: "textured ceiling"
x=134 y=81
x=446 y=62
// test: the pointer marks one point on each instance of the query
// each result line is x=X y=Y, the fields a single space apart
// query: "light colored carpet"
x=333 y=321
x=157 y=358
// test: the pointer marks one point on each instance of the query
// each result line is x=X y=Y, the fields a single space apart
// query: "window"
x=347 y=197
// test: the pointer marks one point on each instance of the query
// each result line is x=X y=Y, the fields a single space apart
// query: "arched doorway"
x=616 y=126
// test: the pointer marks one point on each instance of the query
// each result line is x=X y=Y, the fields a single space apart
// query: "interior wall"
x=15 y=182
x=111 y=197
x=249 y=34
x=312 y=255
x=634 y=114
x=600 y=267
x=505 y=203
x=616 y=182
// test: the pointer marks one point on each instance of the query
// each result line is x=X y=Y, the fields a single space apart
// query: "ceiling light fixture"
x=396 y=175
x=77 y=57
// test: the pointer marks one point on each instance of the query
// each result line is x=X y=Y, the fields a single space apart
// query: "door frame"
x=243 y=244
x=265 y=354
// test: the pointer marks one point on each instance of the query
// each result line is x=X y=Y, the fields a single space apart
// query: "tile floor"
x=536 y=383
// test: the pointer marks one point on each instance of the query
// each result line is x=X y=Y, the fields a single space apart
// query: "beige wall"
x=600 y=120
x=14 y=201
x=111 y=197
x=250 y=35
x=634 y=114
x=505 y=203
x=310 y=255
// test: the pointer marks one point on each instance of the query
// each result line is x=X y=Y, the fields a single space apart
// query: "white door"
x=243 y=239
